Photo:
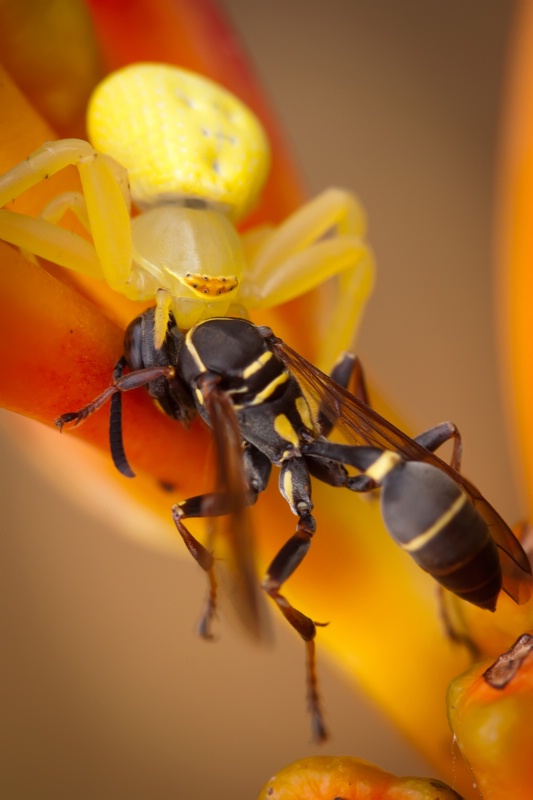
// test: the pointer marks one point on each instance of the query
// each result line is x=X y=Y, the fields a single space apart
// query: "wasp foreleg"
x=212 y=504
x=124 y=383
x=257 y=468
x=204 y=558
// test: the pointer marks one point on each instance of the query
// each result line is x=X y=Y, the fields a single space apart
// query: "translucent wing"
x=233 y=532
x=361 y=425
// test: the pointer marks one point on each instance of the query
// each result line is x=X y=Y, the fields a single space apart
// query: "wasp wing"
x=360 y=424
x=234 y=530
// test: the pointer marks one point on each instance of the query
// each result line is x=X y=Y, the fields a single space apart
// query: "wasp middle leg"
x=295 y=486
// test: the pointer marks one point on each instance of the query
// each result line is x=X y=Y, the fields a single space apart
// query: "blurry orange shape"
x=515 y=244
x=490 y=708
x=50 y=47
x=347 y=778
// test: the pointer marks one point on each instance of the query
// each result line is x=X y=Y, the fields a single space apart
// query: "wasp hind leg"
x=454 y=624
x=295 y=487
x=433 y=438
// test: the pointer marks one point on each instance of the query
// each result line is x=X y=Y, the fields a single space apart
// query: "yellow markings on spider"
x=210 y=285
x=192 y=158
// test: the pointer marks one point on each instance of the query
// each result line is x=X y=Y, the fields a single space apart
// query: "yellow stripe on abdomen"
x=422 y=539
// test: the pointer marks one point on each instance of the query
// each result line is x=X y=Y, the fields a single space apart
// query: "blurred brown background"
x=104 y=691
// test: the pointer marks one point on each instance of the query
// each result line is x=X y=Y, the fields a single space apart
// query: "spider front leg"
x=105 y=202
x=322 y=240
x=296 y=488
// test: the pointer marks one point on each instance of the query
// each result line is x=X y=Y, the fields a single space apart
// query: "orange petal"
x=346 y=778
x=491 y=719
x=51 y=50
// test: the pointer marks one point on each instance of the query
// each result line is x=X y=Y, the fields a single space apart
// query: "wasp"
x=267 y=406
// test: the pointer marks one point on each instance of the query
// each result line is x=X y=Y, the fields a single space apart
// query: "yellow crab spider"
x=192 y=159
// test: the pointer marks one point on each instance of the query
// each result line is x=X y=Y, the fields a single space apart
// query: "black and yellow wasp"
x=256 y=394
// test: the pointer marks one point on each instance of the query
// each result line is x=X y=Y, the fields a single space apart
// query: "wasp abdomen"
x=430 y=516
